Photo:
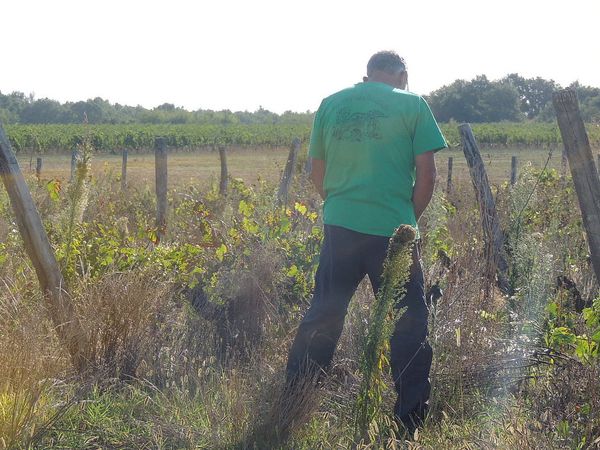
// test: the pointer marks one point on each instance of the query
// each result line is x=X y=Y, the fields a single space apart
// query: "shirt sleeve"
x=428 y=136
x=316 y=147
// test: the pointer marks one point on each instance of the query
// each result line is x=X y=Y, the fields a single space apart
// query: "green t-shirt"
x=368 y=136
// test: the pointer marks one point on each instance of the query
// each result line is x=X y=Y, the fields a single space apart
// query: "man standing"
x=372 y=148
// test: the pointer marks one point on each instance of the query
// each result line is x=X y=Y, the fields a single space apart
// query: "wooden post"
x=583 y=169
x=492 y=233
x=40 y=252
x=224 y=175
x=286 y=177
x=38 y=168
x=160 y=161
x=449 y=181
x=598 y=164
x=73 y=163
x=513 y=170
x=124 y=171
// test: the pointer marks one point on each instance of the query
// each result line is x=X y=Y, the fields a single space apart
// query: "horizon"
x=282 y=57
x=32 y=93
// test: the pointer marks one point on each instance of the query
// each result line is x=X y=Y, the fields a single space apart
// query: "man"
x=372 y=148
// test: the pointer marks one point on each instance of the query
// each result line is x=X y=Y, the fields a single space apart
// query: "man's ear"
x=404 y=79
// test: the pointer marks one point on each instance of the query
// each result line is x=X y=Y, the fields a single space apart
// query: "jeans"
x=346 y=257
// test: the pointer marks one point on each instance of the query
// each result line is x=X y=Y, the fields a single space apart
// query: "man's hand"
x=424 y=182
x=317 y=175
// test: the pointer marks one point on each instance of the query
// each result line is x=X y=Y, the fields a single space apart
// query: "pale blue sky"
x=282 y=55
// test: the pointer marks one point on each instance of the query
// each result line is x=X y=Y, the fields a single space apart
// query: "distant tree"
x=12 y=105
x=478 y=100
x=165 y=107
x=589 y=104
x=534 y=93
x=43 y=111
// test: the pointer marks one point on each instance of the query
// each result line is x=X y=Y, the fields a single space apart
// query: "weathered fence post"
x=513 y=170
x=73 y=162
x=38 y=168
x=492 y=233
x=286 y=177
x=308 y=166
x=124 y=171
x=160 y=161
x=40 y=252
x=449 y=180
x=583 y=169
x=224 y=175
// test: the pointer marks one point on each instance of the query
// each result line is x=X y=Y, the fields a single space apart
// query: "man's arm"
x=317 y=175
x=424 y=181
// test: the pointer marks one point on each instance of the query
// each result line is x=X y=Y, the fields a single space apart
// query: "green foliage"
x=374 y=361
x=478 y=100
x=567 y=332
x=76 y=202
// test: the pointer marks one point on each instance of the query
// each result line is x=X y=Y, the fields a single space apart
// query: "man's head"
x=387 y=67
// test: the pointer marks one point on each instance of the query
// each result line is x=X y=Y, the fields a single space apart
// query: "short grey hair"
x=386 y=61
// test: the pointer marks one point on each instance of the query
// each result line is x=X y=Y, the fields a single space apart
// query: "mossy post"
x=492 y=233
x=583 y=169
x=160 y=158
x=37 y=246
x=288 y=172
x=224 y=172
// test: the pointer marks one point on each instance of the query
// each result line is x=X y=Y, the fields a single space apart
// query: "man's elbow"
x=427 y=177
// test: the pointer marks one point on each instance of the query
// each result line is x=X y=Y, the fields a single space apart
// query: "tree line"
x=512 y=98
x=18 y=108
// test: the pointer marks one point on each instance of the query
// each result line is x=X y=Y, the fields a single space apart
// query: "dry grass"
x=30 y=363
x=198 y=167
x=267 y=163
x=124 y=316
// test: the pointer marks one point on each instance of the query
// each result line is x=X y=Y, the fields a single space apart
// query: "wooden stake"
x=492 y=233
x=42 y=257
x=449 y=181
x=583 y=169
x=513 y=170
x=286 y=177
x=38 y=168
x=124 y=171
x=224 y=175
x=160 y=161
x=73 y=163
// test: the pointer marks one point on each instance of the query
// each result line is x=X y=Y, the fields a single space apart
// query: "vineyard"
x=110 y=138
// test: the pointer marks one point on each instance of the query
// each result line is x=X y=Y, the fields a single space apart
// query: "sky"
x=282 y=55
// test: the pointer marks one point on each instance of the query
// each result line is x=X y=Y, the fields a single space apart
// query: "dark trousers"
x=346 y=257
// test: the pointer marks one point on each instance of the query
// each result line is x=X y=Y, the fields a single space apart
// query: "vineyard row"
x=107 y=138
